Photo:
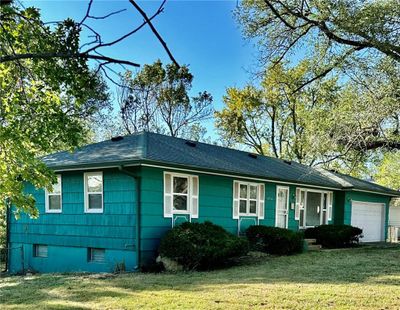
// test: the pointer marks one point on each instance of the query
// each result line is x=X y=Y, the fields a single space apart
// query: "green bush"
x=334 y=236
x=201 y=246
x=274 y=240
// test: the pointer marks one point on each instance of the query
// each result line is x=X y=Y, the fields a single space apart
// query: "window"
x=39 y=250
x=180 y=194
x=248 y=199
x=93 y=192
x=96 y=255
x=53 y=199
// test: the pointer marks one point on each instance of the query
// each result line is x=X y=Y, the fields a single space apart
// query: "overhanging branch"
x=8 y=58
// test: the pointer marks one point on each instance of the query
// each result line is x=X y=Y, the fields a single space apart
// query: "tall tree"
x=332 y=33
x=272 y=120
x=48 y=92
x=44 y=104
x=157 y=99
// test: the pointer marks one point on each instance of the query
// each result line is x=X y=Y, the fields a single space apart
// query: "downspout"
x=7 y=235
x=137 y=179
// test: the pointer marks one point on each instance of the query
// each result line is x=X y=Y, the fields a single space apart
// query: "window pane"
x=325 y=202
x=97 y=255
x=57 y=186
x=54 y=202
x=253 y=192
x=243 y=191
x=253 y=207
x=180 y=185
x=95 y=183
x=242 y=206
x=180 y=202
x=40 y=250
x=95 y=201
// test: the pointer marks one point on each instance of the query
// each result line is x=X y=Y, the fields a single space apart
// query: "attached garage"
x=370 y=217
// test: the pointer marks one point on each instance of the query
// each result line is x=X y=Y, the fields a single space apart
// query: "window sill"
x=248 y=215
x=53 y=211
x=94 y=211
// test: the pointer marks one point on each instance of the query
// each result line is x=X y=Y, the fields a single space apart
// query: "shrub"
x=274 y=240
x=334 y=236
x=201 y=246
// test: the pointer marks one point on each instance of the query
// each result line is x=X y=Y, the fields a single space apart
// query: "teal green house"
x=114 y=200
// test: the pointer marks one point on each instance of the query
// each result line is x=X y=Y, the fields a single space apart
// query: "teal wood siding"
x=70 y=233
x=338 y=210
x=365 y=197
x=215 y=205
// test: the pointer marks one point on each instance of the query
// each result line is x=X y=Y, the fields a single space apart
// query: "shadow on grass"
x=362 y=265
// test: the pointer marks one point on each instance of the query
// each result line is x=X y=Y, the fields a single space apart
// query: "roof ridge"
x=226 y=148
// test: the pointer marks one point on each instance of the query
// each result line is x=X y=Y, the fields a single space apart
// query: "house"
x=115 y=199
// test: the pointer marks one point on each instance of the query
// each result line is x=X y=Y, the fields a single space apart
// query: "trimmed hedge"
x=201 y=246
x=275 y=240
x=334 y=236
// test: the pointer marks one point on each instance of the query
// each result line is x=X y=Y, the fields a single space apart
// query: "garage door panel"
x=370 y=218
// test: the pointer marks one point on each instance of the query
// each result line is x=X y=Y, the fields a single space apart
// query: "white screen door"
x=282 y=207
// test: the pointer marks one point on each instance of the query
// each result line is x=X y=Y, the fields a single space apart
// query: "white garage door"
x=370 y=217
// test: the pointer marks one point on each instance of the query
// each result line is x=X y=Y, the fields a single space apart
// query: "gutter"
x=137 y=179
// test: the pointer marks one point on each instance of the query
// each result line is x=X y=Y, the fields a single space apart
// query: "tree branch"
x=7 y=58
x=154 y=30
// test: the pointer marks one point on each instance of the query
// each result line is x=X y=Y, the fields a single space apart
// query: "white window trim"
x=86 y=193
x=248 y=199
x=287 y=205
x=187 y=195
x=47 y=194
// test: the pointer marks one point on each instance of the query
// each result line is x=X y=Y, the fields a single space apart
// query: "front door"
x=282 y=207
x=313 y=209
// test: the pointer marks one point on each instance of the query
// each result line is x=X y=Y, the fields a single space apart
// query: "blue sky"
x=201 y=34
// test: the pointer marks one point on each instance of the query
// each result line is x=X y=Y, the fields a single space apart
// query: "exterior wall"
x=69 y=234
x=365 y=197
x=338 y=210
x=215 y=205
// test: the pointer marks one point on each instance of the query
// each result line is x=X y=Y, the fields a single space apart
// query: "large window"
x=248 y=199
x=93 y=192
x=53 y=199
x=181 y=194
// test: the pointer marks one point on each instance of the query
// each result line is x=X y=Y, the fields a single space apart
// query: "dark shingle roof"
x=161 y=149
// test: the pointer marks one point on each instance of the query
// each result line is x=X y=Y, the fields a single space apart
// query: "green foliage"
x=357 y=42
x=273 y=120
x=157 y=99
x=388 y=171
x=45 y=103
x=275 y=240
x=201 y=246
x=334 y=236
x=331 y=33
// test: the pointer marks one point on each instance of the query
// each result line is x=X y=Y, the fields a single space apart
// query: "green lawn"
x=366 y=277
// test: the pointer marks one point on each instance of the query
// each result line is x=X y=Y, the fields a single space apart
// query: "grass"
x=359 y=278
